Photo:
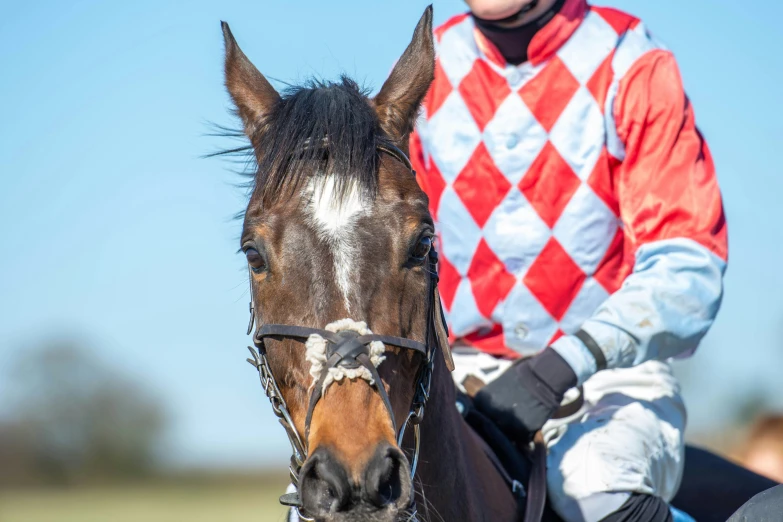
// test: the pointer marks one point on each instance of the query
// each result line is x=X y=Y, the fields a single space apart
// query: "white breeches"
x=628 y=437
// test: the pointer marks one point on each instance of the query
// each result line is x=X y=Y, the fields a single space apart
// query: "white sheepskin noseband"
x=315 y=353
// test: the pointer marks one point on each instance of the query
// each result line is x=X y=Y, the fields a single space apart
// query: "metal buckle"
x=278 y=404
x=301 y=516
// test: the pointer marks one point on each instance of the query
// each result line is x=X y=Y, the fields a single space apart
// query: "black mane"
x=324 y=128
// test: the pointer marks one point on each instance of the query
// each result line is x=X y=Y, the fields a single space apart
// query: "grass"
x=154 y=502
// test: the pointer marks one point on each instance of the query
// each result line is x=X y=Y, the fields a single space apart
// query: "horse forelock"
x=321 y=129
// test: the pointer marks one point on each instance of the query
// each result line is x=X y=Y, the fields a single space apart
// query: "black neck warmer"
x=512 y=42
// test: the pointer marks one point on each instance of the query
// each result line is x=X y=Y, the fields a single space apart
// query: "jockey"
x=581 y=224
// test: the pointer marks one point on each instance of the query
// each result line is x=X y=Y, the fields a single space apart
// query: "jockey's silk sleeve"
x=672 y=214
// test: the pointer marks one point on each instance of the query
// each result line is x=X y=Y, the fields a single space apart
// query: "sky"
x=117 y=233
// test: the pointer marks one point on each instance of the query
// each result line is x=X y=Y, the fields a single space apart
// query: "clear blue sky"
x=114 y=231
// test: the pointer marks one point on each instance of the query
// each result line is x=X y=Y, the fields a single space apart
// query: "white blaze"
x=335 y=220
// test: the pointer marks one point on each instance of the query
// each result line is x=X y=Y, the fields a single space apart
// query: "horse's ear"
x=398 y=101
x=253 y=95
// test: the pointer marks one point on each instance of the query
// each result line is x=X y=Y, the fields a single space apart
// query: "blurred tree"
x=73 y=418
x=751 y=405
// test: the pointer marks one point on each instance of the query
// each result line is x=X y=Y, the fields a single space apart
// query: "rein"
x=350 y=350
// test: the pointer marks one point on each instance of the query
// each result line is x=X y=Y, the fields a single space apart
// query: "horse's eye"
x=255 y=260
x=422 y=248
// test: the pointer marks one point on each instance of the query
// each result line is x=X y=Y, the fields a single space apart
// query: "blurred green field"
x=233 y=502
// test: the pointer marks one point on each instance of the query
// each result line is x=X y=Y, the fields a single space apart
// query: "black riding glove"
x=526 y=395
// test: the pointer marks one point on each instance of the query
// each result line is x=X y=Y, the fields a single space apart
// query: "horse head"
x=338 y=239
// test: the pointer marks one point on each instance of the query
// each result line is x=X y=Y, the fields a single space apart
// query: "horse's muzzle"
x=328 y=491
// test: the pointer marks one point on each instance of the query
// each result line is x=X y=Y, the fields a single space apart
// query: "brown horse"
x=337 y=227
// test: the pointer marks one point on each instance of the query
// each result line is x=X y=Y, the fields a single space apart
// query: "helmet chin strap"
x=514 y=17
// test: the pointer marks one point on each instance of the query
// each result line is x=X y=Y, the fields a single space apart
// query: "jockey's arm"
x=671 y=210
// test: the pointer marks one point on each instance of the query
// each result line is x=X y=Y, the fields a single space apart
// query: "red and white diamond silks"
x=546 y=180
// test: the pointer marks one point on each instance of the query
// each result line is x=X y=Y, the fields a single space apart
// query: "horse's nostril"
x=386 y=478
x=323 y=484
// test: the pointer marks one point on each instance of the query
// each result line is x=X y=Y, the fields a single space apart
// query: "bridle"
x=349 y=349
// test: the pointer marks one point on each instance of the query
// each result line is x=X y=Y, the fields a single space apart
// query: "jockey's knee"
x=613 y=456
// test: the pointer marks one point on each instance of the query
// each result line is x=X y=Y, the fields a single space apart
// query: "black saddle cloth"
x=712 y=488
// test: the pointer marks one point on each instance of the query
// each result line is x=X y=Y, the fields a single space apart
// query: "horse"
x=337 y=232
x=350 y=338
